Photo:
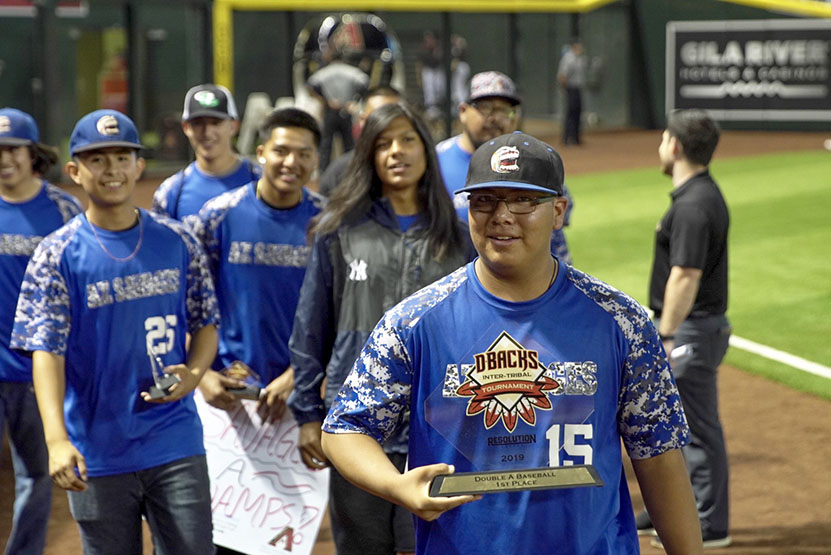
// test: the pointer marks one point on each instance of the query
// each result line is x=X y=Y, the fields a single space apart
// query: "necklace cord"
x=108 y=253
x=553 y=275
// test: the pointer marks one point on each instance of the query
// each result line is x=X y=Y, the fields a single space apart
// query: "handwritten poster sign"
x=264 y=499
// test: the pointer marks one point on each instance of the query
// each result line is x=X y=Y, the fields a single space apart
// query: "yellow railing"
x=223 y=14
x=813 y=8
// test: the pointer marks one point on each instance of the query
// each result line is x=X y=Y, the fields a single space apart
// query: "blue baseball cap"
x=102 y=129
x=17 y=128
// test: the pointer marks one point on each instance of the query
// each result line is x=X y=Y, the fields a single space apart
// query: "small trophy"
x=250 y=388
x=162 y=379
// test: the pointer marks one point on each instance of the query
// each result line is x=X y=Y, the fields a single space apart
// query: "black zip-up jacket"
x=353 y=276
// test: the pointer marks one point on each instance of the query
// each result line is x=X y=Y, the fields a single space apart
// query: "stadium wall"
x=171 y=50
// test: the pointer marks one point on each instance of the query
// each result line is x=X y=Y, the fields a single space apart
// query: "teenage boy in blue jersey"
x=30 y=209
x=255 y=238
x=513 y=346
x=210 y=121
x=103 y=297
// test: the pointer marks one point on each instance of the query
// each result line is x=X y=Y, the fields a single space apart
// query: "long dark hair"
x=361 y=185
x=43 y=157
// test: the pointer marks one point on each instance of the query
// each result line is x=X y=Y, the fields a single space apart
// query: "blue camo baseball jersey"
x=491 y=384
x=22 y=226
x=184 y=193
x=258 y=259
x=453 y=164
x=103 y=316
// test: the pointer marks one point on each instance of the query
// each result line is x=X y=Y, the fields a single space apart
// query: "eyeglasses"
x=520 y=204
x=487 y=110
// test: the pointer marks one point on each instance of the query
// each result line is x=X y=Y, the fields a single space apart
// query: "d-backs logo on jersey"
x=507 y=381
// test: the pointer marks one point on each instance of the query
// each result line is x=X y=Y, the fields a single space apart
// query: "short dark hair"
x=697 y=132
x=289 y=117
x=381 y=90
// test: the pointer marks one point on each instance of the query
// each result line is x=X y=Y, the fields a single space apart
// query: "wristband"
x=663 y=337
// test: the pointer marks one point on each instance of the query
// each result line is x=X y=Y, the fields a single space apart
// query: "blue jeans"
x=174 y=498
x=32 y=485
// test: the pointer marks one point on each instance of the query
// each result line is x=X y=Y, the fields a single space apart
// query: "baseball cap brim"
x=106 y=144
x=14 y=141
x=514 y=100
x=208 y=114
x=506 y=185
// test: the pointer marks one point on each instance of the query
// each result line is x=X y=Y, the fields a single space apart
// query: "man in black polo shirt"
x=688 y=292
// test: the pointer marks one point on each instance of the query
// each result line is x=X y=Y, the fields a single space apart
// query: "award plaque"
x=241 y=372
x=475 y=483
x=517 y=418
x=162 y=380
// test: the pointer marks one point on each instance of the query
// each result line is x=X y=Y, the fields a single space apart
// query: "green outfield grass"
x=780 y=249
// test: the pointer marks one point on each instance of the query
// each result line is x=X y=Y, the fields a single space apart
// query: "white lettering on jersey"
x=268 y=254
x=98 y=294
x=240 y=252
x=569 y=444
x=18 y=245
x=357 y=270
x=160 y=328
x=575 y=378
x=135 y=286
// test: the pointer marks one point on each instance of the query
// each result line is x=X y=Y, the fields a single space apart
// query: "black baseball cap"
x=515 y=161
x=209 y=100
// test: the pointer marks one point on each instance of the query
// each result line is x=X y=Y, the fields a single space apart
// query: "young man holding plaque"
x=520 y=364
x=104 y=308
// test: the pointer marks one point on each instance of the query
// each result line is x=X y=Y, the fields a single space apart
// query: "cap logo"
x=505 y=159
x=5 y=124
x=207 y=99
x=107 y=125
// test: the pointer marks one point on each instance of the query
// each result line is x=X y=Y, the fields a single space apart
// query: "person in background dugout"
x=30 y=209
x=572 y=78
x=388 y=230
x=338 y=85
x=210 y=121
x=431 y=74
x=688 y=294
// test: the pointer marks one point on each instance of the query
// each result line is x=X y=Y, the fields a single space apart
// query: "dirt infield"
x=777 y=439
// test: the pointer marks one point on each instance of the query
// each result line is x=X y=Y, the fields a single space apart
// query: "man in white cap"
x=210 y=121
x=492 y=109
